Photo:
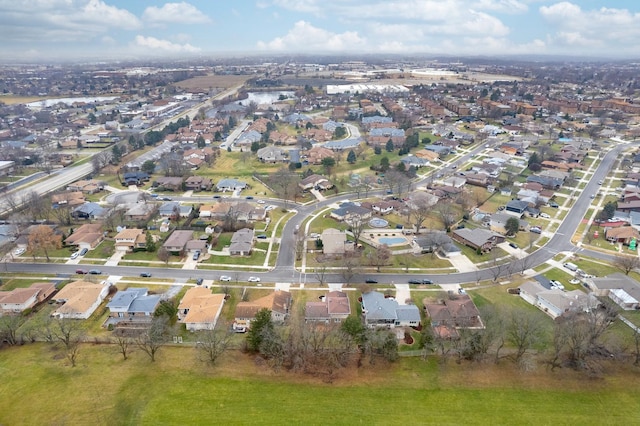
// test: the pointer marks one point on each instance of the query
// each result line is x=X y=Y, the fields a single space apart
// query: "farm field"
x=38 y=387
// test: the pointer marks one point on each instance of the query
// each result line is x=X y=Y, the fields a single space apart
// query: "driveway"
x=115 y=258
x=403 y=293
x=462 y=263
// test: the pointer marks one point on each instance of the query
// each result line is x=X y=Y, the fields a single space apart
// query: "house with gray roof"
x=417 y=162
x=380 y=311
x=177 y=241
x=621 y=288
x=478 y=239
x=341 y=145
x=132 y=305
x=271 y=154
x=173 y=208
x=241 y=242
x=89 y=211
x=348 y=211
x=230 y=185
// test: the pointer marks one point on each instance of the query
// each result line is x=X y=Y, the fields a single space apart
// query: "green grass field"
x=38 y=387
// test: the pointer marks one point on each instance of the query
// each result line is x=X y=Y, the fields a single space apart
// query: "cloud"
x=61 y=20
x=597 y=28
x=305 y=37
x=162 y=46
x=307 y=6
x=183 y=13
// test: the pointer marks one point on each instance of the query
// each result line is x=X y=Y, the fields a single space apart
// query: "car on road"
x=600 y=182
x=80 y=271
x=415 y=281
x=19 y=251
x=426 y=281
x=145 y=274
x=75 y=254
x=165 y=199
x=84 y=251
x=371 y=281
x=592 y=196
x=513 y=245
x=217 y=196
x=225 y=278
x=95 y=272
x=249 y=197
x=260 y=201
x=254 y=279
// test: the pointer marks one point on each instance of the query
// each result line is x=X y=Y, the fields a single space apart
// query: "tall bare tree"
x=285 y=184
x=212 y=344
x=357 y=223
x=420 y=206
x=380 y=256
x=523 y=330
x=153 y=338
x=626 y=263
x=43 y=238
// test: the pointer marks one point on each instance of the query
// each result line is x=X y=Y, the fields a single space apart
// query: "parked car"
x=75 y=254
x=254 y=279
x=196 y=255
x=225 y=278
x=545 y=215
x=165 y=199
x=262 y=236
x=95 y=271
x=425 y=281
x=371 y=281
x=513 y=245
x=462 y=291
x=84 y=251
x=199 y=281
x=80 y=271
x=145 y=274
x=415 y=281
x=19 y=251
x=553 y=204
x=536 y=230
x=556 y=285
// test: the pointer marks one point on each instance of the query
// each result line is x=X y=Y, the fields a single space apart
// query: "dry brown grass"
x=206 y=82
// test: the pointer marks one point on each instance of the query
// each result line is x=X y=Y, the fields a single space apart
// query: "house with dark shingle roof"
x=334 y=307
x=478 y=239
x=380 y=311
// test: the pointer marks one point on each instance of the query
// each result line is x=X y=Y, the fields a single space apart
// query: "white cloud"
x=182 y=12
x=305 y=37
x=309 y=6
x=162 y=46
x=61 y=20
x=592 y=29
x=503 y=6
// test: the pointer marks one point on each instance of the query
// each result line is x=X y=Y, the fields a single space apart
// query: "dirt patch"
x=204 y=83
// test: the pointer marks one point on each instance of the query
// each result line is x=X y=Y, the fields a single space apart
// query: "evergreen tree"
x=351 y=157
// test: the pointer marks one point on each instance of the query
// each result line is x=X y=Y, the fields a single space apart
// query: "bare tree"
x=447 y=213
x=626 y=263
x=420 y=206
x=70 y=333
x=212 y=344
x=9 y=325
x=357 y=224
x=523 y=330
x=100 y=160
x=320 y=274
x=152 y=339
x=350 y=265
x=284 y=184
x=43 y=238
x=380 y=256
x=124 y=345
x=300 y=240
x=164 y=255
x=559 y=341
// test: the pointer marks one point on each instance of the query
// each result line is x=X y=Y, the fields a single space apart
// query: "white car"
x=75 y=254
x=19 y=251
x=545 y=216
x=260 y=201
x=225 y=278
x=254 y=279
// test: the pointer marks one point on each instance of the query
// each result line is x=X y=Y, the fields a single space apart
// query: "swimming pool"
x=391 y=241
x=376 y=222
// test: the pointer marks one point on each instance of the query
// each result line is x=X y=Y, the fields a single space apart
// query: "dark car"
x=199 y=281
x=80 y=271
x=83 y=251
x=371 y=281
x=425 y=281
x=513 y=245
x=95 y=271
x=553 y=204
x=262 y=236
x=145 y=274
x=415 y=281
x=249 y=197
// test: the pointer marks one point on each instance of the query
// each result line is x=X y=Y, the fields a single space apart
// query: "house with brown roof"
x=316 y=154
x=478 y=239
x=69 y=198
x=459 y=312
x=177 y=241
x=278 y=302
x=198 y=183
x=622 y=234
x=17 y=300
x=334 y=307
x=79 y=299
x=200 y=309
x=90 y=186
x=88 y=236
x=130 y=239
x=169 y=183
x=315 y=182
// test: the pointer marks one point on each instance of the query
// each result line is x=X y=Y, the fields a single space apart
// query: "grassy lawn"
x=103 y=251
x=181 y=389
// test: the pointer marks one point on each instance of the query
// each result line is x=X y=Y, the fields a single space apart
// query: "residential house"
x=499 y=220
x=90 y=186
x=67 y=199
x=553 y=302
x=89 y=211
x=173 y=210
x=380 y=311
x=168 y=183
x=79 y=299
x=348 y=211
x=140 y=212
x=133 y=305
x=314 y=181
x=621 y=288
x=177 y=241
x=230 y=185
x=334 y=242
x=241 y=242
x=454 y=313
x=278 y=302
x=200 y=309
x=622 y=234
x=478 y=239
x=334 y=307
x=435 y=241
x=86 y=236
x=516 y=208
x=135 y=178
x=272 y=154
x=129 y=240
x=316 y=154
x=383 y=207
x=417 y=162
x=17 y=300
x=198 y=183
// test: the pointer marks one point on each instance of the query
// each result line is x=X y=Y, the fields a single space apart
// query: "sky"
x=113 y=29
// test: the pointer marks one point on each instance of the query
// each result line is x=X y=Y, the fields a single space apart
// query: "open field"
x=177 y=388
